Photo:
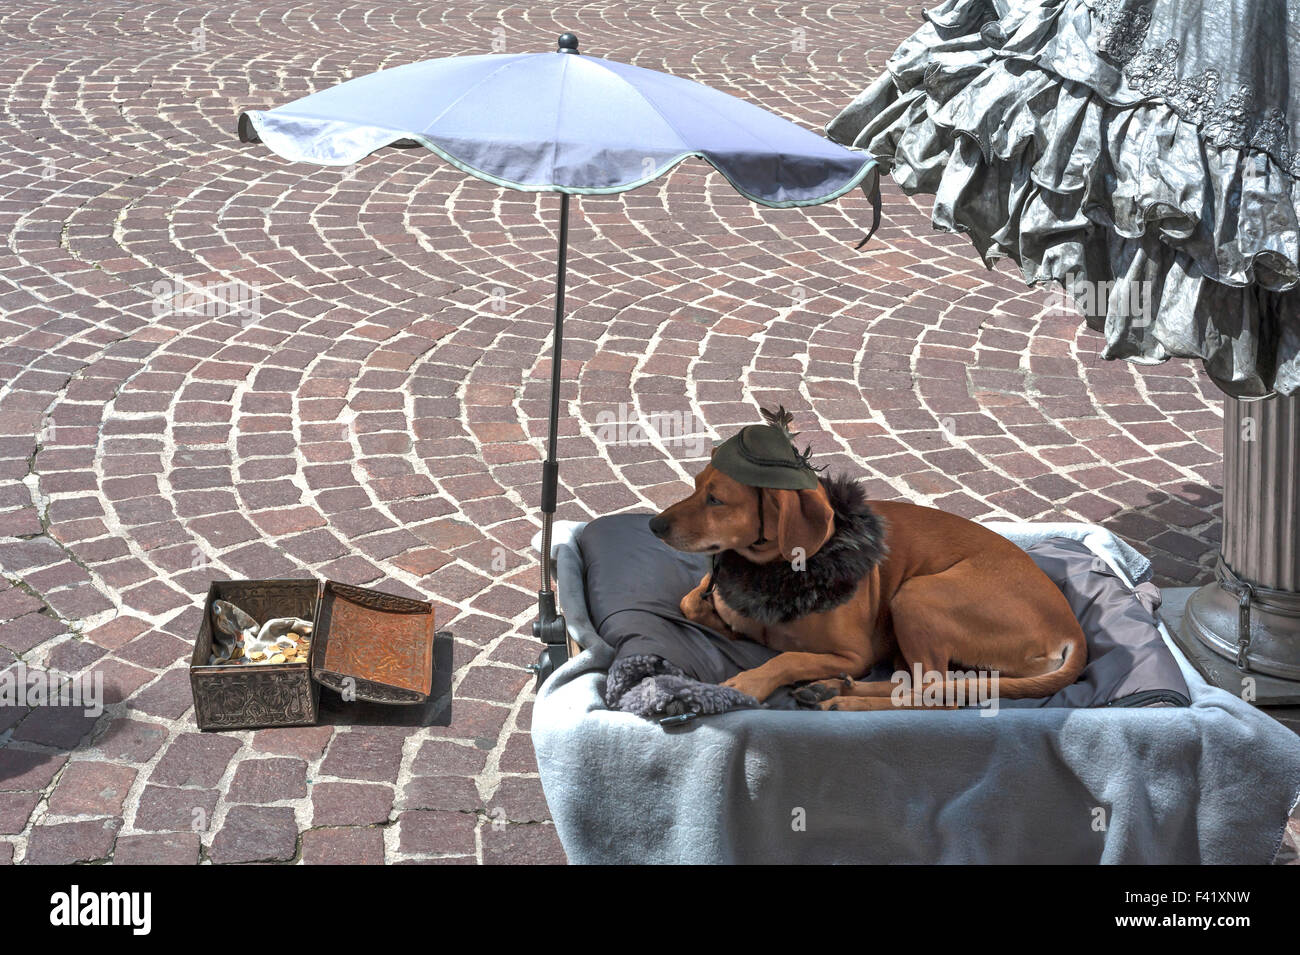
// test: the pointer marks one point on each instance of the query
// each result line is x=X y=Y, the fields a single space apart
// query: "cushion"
x=634 y=583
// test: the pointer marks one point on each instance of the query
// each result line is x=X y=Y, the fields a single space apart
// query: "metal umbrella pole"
x=549 y=626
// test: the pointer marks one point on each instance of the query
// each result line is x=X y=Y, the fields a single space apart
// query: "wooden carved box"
x=365 y=644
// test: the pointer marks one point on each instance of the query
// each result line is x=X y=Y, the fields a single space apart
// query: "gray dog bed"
x=631 y=579
x=1111 y=770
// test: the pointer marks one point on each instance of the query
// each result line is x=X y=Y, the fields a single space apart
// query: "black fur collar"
x=777 y=593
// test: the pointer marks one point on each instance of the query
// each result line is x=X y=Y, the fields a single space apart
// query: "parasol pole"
x=549 y=626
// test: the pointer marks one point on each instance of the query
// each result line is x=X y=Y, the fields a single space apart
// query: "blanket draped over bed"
x=1209 y=783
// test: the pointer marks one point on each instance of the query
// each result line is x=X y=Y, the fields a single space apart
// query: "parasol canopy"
x=546 y=122
x=572 y=124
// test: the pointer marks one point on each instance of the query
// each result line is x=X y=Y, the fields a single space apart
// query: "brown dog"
x=946 y=594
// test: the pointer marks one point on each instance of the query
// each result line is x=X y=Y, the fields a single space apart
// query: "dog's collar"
x=776 y=592
x=762 y=537
x=713 y=578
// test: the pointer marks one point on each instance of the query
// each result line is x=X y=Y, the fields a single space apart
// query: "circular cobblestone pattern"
x=371 y=409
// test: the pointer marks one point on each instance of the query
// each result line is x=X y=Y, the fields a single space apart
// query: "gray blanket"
x=1212 y=782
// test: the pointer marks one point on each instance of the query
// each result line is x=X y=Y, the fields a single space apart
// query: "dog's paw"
x=698 y=610
x=811 y=695
x=690 y=606
x=749 y=685
x=816 y=694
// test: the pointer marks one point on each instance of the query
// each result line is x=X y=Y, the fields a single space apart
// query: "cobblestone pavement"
x=379 y=421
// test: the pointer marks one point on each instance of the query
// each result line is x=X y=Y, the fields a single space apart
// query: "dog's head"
x=724 y=514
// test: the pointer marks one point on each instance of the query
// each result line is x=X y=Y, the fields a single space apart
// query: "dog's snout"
x=658 y=526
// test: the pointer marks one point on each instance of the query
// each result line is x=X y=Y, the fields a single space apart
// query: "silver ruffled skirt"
x=1138 y=152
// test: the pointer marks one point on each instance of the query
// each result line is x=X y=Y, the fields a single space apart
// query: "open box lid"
x=369 y=645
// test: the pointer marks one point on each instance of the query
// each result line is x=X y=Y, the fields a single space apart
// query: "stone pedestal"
x=1250 y=615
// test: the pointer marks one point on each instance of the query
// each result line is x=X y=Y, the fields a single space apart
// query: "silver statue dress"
x=1142 y=153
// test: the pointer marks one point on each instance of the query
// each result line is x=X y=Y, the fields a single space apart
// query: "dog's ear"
x=803 y=520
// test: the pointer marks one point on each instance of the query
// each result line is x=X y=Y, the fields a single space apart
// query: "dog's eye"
x=711 y=500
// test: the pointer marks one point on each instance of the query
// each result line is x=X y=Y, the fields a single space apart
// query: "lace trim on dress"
x=1123 y=30
x=1233 y=121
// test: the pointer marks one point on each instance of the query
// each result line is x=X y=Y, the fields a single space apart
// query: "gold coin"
x=237 y=653
x=257 y=656
x=277 y=658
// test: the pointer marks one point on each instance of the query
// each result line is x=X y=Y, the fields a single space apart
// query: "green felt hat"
x=764 y=455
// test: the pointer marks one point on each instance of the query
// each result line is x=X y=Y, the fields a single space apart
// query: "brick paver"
x=379 y=421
